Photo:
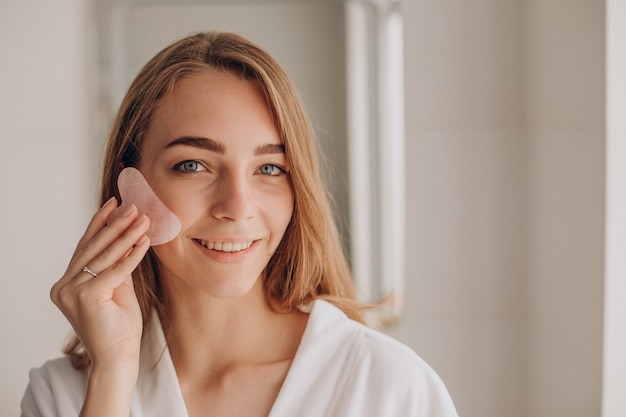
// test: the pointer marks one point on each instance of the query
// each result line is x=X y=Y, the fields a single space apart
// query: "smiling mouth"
x=225 y=246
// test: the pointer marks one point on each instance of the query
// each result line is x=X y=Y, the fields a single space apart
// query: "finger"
x=86 y=251
x=108 y=279
x=98 y=221
x=64 y=294
x=119 y=248
x=120 y=272
x=104 y=237
x=99 y=246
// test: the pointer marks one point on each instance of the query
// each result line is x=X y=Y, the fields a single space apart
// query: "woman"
x=250 y=309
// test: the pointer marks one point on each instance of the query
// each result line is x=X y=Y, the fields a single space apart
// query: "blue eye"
x=189 y=166
x=271 y=170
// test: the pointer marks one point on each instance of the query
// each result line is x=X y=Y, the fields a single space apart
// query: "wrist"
x=110 y=389
x=127 y=370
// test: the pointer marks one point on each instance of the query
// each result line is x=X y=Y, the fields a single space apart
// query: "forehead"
x=219 y=104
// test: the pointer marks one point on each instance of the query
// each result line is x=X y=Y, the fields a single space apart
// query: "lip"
x=227 y=257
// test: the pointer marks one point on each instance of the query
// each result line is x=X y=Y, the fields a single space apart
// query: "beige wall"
x=505 y=151
x=565 y=252
x=465 y=210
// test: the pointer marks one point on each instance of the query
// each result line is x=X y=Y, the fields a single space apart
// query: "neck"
x=207 y=335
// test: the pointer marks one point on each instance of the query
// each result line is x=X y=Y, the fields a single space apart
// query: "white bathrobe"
x=341 y=369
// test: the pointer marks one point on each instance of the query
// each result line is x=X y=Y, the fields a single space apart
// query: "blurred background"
x=515 y=155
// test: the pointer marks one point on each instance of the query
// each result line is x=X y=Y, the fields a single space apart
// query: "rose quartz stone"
x=134 y=189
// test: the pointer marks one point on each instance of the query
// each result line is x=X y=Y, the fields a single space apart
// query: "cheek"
x=281 y=211
x=187 y=207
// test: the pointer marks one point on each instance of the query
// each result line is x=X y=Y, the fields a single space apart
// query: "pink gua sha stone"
x=134 y=189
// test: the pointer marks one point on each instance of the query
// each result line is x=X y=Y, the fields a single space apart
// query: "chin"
x=232 y=289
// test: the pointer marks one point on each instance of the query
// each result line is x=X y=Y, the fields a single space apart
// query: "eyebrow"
x=270 y=148
x=218 y=147
x=196 y=142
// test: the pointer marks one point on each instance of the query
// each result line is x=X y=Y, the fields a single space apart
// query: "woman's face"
x=214 y=157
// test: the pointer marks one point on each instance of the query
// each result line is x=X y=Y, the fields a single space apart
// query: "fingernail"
x=128 y=210
x=108 y=202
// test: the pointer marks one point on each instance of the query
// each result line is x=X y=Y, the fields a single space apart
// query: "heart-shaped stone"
x=134 y=189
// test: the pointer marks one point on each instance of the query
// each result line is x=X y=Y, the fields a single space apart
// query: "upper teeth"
x=226 y=246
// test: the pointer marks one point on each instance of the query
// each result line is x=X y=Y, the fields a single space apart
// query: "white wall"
x=614 y=380
x=45 y=177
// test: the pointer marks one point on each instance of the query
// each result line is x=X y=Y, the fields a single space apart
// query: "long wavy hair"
x=310 y=261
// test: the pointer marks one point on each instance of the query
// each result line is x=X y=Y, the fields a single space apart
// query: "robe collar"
x=323 y=355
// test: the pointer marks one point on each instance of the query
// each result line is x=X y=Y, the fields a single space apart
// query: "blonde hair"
x=310 y=262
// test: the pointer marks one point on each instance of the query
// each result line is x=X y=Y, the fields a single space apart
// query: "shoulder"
x=54 y=389
x=386 y=352
x=386 y=375
x=392 y=361
x=373 y=348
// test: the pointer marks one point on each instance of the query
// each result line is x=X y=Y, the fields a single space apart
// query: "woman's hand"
x=103 y=310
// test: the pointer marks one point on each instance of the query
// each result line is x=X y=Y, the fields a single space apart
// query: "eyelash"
x=281 y=170
x=180 y=168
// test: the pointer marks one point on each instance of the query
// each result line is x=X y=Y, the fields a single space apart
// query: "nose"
x=233 y=199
